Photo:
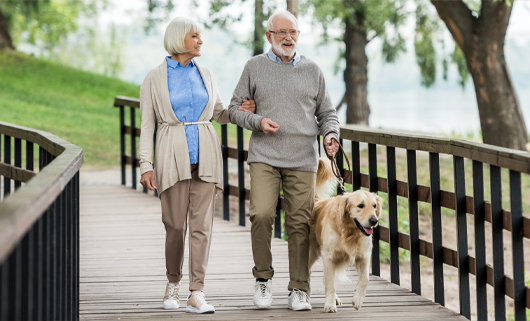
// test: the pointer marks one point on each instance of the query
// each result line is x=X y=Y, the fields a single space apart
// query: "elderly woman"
x=182 y=97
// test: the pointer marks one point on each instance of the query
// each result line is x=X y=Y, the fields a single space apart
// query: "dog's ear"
x=379 y=201
x=346 y=208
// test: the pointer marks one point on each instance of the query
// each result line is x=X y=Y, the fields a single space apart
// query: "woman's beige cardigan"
x=172 y=162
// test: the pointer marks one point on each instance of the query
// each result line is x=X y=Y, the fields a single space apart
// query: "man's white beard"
x=283 y=51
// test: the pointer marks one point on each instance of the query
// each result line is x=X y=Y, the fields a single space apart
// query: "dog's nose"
x=373 y=221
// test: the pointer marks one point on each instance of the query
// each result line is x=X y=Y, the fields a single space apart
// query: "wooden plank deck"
x=123 y=271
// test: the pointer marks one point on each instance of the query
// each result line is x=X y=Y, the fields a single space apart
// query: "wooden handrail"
x=19 y=211
x=489 y=154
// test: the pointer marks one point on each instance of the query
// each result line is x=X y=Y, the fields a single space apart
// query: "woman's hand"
x=248 y=105
x=148 y=180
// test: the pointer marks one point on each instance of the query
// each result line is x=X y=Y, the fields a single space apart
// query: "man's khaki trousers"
x=195 y=197
x=299 y=197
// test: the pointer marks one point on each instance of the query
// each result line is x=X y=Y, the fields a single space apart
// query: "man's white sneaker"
x=197 y=303
x=298 y=300
x=171 y=299
x=263 y=294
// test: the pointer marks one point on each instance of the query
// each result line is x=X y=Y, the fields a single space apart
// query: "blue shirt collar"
x=176 y=64
x=272 y=56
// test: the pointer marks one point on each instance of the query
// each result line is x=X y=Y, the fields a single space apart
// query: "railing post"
x=278 y=218
x=461 y=227
x=355 y=165
x=241 y=175
x=436 y=212
x=122 y=145
x=415 y=274
x=4 y=290
x=133 y=147
x=392 y=214
x=226 y=191
x=372 y=169
x=340 y=165
x=18 y=159
x=519 y=288
x=29 y=156
x=318 y=144
x=7 y=160
x=76 y=247
x=498 y=251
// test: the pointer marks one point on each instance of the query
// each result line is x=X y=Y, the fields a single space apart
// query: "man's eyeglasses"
x=283 y=33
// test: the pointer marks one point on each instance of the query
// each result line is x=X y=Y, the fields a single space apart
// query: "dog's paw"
x=337 y=300
x=330 y=308
x=357 y=300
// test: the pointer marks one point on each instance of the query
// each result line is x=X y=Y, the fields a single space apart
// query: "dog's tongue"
x=369 y=231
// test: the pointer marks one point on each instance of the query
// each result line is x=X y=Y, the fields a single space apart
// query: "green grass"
x=72 y=104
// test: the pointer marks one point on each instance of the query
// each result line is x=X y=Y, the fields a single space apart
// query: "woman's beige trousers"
x=193 y=198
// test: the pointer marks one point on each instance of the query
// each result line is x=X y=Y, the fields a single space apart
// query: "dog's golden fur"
x=341 y=229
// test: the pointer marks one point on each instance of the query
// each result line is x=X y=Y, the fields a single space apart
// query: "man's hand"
x=148 y=180
x=331 y=145
x=248 y=105
x=268 y=126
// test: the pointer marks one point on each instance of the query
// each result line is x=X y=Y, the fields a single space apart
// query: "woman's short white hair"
x=176 y=31
x=280 y=13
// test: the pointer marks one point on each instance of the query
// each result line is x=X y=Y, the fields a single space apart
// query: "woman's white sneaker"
x=263 y=294
x=197 y=303
x=298 y=300
x=171 y=299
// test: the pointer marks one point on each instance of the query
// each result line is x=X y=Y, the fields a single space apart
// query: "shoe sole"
x=170 y=308
x=301 y=309
x=262 y=307
x=194 y=310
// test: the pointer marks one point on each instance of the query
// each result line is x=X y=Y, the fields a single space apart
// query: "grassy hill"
x=72 y=104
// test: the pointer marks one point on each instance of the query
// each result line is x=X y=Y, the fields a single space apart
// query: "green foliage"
x=460 y=61
x=72 y=104
x=224 y=14
x=157 y=12
x=426 y=26
x=45 y=23
x=378 y=19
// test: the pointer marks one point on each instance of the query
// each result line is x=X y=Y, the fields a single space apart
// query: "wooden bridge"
x=72 y=251
x=123 y=270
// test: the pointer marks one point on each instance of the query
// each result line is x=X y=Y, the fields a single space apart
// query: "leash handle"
x=335 y=168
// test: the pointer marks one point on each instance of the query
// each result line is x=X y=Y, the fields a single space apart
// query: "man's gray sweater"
x=293 y=96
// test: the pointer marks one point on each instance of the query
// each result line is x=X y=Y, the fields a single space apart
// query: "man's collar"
x=176 y=64
x=272 y=56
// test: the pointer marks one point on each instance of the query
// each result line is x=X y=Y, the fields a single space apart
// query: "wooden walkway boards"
x=123 y=271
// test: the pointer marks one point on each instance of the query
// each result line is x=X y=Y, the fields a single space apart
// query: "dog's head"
x=364 y=209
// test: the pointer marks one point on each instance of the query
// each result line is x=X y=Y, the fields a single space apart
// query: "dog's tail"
x=326 y=180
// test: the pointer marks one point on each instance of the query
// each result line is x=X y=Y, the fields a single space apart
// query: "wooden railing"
x=39 y=226
x=511 y=220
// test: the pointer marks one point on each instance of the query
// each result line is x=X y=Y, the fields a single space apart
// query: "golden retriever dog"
x=341 y=233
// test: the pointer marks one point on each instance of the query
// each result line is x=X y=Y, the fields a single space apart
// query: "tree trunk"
x=259 y=30
x=356 y=73
x=5 y=39
x=482 y=42
x=292 y=7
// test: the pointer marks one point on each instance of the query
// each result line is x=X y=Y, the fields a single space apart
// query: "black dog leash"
x=335 y=168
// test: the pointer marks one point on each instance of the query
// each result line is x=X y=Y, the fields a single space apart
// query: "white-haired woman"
x=182 y=97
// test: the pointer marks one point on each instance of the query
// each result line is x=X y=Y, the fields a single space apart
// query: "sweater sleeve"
x=147 y=126
x=327 y=119
x=220 y=114
x=244 y=90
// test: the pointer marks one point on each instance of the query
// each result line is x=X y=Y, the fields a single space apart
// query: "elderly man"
x=293 y=106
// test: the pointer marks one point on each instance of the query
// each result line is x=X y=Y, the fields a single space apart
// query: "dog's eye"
x=375 y=206
x=360 y=206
